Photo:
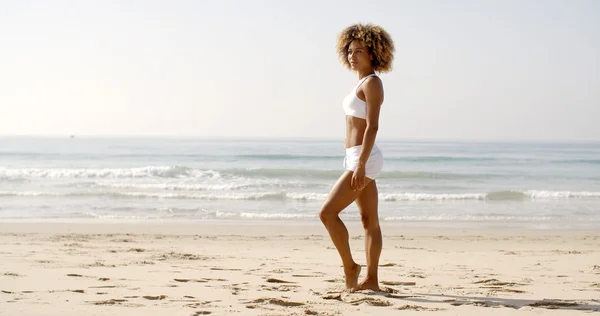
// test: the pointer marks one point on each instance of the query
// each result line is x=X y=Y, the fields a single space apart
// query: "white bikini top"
x=354 y=106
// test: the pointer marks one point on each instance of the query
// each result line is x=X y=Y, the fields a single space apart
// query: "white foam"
x=142 y=172
x=467 y=218
x=277 y=216
x=307 y=196
x=174 y=186
x=166 y=195
x=561 y=194
x=431 y=197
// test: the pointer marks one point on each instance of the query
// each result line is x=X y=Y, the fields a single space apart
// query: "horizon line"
x=279 y=138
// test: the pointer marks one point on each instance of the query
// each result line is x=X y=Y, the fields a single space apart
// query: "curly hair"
x=375 y=38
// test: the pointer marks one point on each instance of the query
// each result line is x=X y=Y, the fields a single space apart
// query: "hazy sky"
x=483 y=70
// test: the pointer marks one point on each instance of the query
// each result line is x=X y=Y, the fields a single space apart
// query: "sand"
x=216 y=268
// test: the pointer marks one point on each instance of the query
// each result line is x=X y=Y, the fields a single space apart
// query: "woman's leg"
x=367 y=203
x=339 y=198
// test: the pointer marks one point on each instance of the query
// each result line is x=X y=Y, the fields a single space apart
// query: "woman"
x=366 y=50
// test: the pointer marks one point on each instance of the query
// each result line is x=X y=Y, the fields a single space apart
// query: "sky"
x=463 y=70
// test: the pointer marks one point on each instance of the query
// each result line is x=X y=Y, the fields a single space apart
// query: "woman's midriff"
x=355 y=131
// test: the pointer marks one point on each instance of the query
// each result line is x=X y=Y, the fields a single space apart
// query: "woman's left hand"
x=357 y=182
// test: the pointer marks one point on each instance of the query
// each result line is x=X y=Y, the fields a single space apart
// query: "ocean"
x=482 y=184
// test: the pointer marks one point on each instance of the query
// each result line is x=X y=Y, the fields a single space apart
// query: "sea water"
x=544 y=185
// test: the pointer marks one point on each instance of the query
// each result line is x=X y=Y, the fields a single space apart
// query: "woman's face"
x=358 y=56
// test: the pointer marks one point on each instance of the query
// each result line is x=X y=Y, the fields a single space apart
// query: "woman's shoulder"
x=373 y=83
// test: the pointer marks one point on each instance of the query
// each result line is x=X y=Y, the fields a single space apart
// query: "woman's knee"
x=327 y=214
x=369 y=221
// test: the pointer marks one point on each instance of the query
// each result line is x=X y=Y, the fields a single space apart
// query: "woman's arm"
x=373 y=90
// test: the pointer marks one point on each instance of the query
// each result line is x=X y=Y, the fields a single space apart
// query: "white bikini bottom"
x=374 y=163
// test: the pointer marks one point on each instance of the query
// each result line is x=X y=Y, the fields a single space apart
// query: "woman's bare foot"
x=352 y=276
x=369 y=284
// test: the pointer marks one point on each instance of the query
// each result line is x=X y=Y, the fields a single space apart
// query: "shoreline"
x=191 y=227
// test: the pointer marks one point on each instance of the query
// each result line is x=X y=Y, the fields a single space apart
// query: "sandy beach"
x=291 y=269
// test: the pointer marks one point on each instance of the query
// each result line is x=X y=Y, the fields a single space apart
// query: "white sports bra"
x=354 y=106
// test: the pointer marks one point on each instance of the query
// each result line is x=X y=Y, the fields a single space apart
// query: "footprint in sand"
x=201 y=313
x=235 y=288
x=332 y=296
x=203 y=304
x=191 y=280
x=99 y=264
x=372 y=301
x=74 y=245
x=81 y=276
x=154 y=298
x=273 y=280
x=274 y=301
x=280 y=288
x=126 y=240
x=346 y=296
x=553 y=304
x=179 y=256
x=103 y=287
x=500 y=289
x=416 y=275
x=398 y=283
x=335 y=281
x=391 y=295
x=480 y=304
x=419 y=308
x=495 y=285
x=496 y=282
x=109 y=302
